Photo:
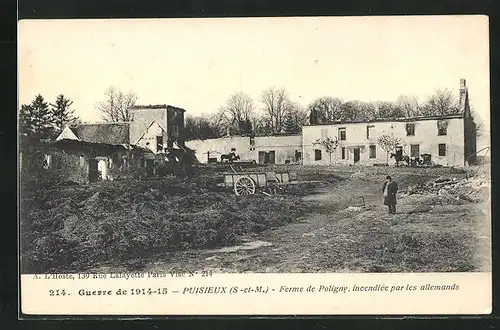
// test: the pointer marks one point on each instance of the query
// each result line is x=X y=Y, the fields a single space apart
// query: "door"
x=415 y=150
x=298 y=156
x=399 y=153
x=356 y=155
x=262 y=157
x=149 y=167
x=272 y=157
x=93 y=172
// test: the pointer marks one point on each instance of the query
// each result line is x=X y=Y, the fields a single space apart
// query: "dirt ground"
x=426 y=234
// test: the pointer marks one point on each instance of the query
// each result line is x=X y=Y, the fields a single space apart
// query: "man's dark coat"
x=390 y=199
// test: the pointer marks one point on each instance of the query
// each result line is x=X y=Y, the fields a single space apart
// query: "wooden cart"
x=247 y=183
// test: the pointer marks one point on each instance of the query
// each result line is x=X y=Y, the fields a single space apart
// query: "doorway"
x=150 y=167
x=93 y=170
x=272 y=157
x=356 y=155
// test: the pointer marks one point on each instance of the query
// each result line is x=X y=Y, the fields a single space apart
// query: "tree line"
x=273 y=112
x=42 y=120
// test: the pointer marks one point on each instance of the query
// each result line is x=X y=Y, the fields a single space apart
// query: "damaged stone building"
x=449 y=140
x=111 y=150
x=275 y=149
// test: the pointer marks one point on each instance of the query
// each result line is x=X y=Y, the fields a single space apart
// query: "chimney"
x=463 y=92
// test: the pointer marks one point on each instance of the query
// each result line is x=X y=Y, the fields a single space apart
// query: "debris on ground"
x=73 y=227
x=451 y=190
x=308 y=235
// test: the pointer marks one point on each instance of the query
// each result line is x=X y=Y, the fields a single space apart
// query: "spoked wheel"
x=244 y=186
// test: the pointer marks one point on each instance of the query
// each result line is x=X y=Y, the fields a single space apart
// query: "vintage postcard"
x=255 y=166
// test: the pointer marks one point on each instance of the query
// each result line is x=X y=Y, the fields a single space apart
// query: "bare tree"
x=442 y=103
x=238 y=107
x=388 y=143
x=356 y=110
x=329 y=144
x=329 y=107
x=220 y=121
x=409 y=105
x=115 y=106
x=389 y=110
x=276 y=105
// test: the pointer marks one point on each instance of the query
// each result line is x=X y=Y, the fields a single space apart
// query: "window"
x=342 y=134
x=252 y=141
x=159 y=143
x=442 y=127
x=82 y=161
x=317 y=154
x=368 y=129
x=442 y=149
x=343 y=153
x=324 y=133
x=176 y=130
x=410 y=129
x=373 y=151
x=414 y=150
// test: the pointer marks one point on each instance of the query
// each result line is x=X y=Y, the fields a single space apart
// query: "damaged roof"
x=155 y=106
x=108 y=133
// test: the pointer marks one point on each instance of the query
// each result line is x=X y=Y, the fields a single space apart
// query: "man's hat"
x=388 y=177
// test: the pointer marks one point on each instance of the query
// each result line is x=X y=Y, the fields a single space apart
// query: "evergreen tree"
x=61 y=114
x=35 y=119
x=290 y=125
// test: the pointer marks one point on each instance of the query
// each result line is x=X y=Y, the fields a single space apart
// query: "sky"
x=198 y=63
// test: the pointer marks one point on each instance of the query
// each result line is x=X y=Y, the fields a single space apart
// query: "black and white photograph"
x=255 y=145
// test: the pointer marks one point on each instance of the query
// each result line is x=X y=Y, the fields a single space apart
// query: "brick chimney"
x=463 y=93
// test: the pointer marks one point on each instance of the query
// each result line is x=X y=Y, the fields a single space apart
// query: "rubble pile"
x=75 y=227
x=472 y=189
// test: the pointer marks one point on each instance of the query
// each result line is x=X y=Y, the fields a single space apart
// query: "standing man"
x=390 y=188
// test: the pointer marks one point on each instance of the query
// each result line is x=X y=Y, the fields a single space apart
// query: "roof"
x=154 y=106
x=78 y=143
x=107 y=133
x=403 y=119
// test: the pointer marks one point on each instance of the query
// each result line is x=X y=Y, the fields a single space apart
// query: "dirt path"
x=340 y=239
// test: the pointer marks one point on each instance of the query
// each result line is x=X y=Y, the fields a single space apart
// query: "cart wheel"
x=244 y=186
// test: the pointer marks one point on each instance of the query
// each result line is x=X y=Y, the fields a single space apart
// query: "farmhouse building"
x=103 y=150
x=449 y=140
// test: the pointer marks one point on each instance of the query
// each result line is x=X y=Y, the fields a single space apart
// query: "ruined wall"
x=175 y=124
x=219 y=146
x=426 y=137
x=141 y=118
x=149 y=139
x=53 y=165
x=284 y=147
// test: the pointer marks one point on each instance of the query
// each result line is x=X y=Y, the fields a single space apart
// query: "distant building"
x=274 y=149
x=450 y=140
